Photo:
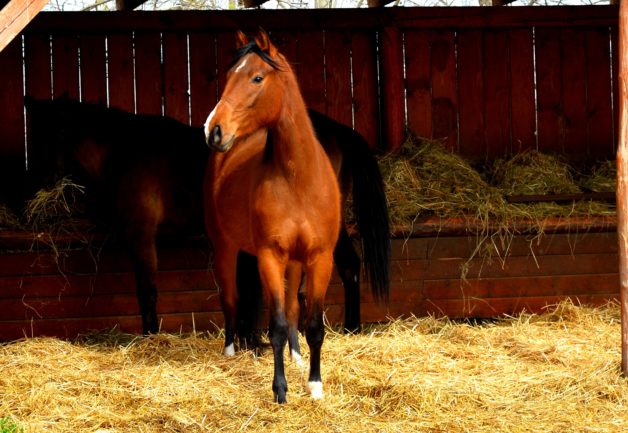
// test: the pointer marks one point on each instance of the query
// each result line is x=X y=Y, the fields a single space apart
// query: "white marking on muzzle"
x=208 y=121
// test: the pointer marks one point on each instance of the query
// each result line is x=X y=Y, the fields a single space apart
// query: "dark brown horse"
x=143 y=176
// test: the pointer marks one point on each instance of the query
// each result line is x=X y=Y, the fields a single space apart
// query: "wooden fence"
x=488 y=81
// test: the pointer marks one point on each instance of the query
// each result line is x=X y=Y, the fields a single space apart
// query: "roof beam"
x=15 y=16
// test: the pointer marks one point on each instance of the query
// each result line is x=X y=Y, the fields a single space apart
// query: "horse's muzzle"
x=215 y=140
x=215 y=137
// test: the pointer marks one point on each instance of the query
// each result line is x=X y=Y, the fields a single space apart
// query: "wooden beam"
x=622 y=181
x=128 y=5
x=15 y=16
x=252 y=3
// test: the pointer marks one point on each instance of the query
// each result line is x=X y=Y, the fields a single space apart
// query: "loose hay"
x=603 y=178
x=553 y=372
x=53 y=209
x=8 y=218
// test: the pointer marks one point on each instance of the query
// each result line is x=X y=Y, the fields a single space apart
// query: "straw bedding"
x=553 y=372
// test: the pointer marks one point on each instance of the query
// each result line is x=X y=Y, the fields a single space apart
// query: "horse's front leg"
x=272 y=270
x=225 y=262
x=318 y=275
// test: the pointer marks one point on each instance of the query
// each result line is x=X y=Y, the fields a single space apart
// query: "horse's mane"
x=252 y=47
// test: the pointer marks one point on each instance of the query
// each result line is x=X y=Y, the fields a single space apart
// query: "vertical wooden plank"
x=226 y=48
x=444 y=94
x=93 y=69
x=65 y=69
x=121 y=75
x=287 y=43
x=392 y=86
x=203 y=88
x=38 y=75
x=11 y=100
x=37 y=67
x=365 y=102
x=615 y=72
x=471 y=94
x=574 y=98
x=418 y=82
x=622 y=181
x=523 y=101
x=548 y=90
x=497 y=94
x=148 y=73
x=12 y=140
x=176 y=76
x=311 y=69
x=338 y=101
x=599 y=111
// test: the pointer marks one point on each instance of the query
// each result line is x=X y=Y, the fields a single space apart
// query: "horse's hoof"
x=280 y=398
x=229 y=350
x=316 y=390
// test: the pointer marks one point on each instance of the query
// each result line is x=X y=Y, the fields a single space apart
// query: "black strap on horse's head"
x=252 y=47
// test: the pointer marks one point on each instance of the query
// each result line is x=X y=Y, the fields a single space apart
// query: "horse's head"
x=253 y=96
x=54 y=126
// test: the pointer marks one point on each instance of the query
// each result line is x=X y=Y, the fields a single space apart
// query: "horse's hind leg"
x=143 y=253
x=272 y=273
x=317 y=281
x=225 y=262
x=348 y=266
x=294 y=276
x=249 y=302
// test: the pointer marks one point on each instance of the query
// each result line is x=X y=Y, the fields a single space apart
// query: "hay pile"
x=425 y=179
x=603 y=178
x=532 y=172
x=554 y=372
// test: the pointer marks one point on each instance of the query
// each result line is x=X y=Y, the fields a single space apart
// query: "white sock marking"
x=316 y=390
x=298 y=359
x=229 y=350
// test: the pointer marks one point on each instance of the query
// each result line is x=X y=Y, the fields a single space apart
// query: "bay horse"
x=271 y=191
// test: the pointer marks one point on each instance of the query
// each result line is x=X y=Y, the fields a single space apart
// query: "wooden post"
x=15 y=16
x=622 y=181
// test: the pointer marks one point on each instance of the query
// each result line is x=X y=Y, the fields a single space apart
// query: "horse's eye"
x=258 y=79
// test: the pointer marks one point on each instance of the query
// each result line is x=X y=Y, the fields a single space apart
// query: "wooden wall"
x=467 y=74
x=90 y=289
x=489 y=81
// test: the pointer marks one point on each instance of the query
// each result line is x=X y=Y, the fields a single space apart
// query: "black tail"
x=370 y=208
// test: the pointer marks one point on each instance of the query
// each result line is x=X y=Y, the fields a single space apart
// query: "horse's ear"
x=241 y=39
x=263 y=41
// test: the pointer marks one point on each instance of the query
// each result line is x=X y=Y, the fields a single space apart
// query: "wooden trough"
x=88 y=289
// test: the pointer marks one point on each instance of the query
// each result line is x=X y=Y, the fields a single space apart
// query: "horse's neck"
x=293 y=140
